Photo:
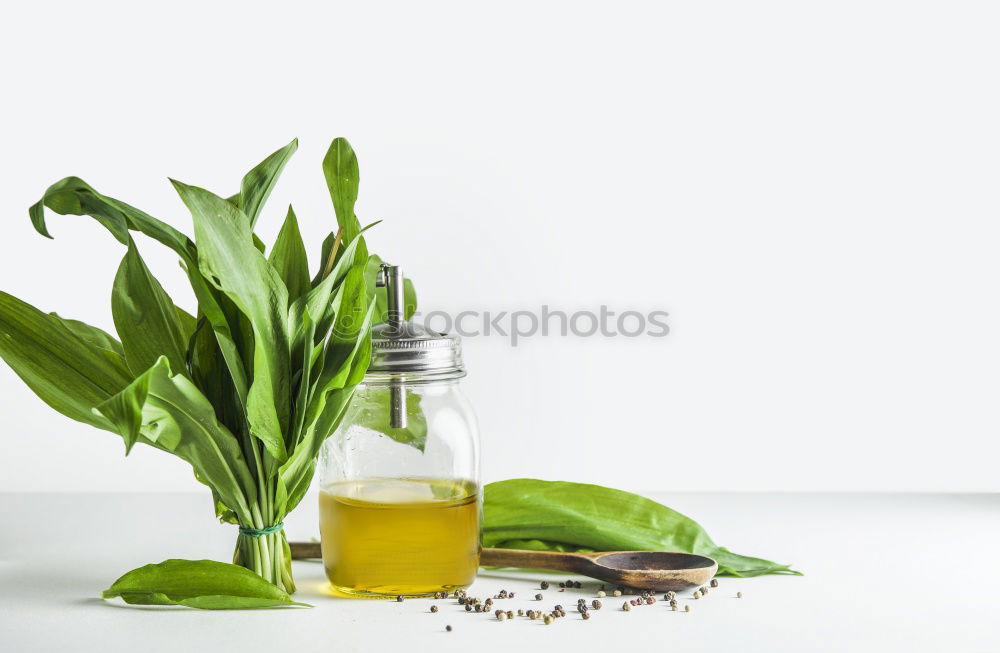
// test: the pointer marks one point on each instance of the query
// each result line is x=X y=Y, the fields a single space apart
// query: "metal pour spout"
x=391 y=278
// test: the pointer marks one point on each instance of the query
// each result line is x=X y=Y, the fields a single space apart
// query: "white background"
x=810 y=189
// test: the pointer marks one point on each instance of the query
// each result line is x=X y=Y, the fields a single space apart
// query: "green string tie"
x=257 y=532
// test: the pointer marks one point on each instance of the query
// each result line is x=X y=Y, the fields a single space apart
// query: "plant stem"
x=333 y=253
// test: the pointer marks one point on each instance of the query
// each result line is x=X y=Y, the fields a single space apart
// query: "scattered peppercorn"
x=687 y=608
x=562 y=584
x=468 y=607
x=673 y=606
x=502 y=616
x=597 y=604
x=547 y=619
x=616 y=593
x=585 y=615
x=479 y=608
x=601 y=594
x=511 y=595
x=697 y=595
x=545 y=585
x=626 y=606
x=633 y=602
x=539 y=597
x=650 y=600
x=670 y=596
x=714 y=583
x=739 y=595
x=434 y=608
x=448 y=628
x=520 y=613
x=577 y=584
x=399 y=599
x=558 y=607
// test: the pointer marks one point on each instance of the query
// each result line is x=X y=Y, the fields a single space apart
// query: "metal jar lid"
x=409 y=351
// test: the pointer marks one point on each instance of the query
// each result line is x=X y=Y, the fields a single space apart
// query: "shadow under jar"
x=400 y=498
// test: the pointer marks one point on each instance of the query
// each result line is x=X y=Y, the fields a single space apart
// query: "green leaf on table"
x=289 y=258
x=145 y=317
x=528 y=513
x=70 y=373
x=259 y=182
x=227 y=256
x=203 y=584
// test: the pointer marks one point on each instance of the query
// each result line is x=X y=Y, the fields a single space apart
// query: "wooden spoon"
x=657 y=570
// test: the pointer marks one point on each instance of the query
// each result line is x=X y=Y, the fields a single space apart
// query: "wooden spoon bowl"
x=654 y=570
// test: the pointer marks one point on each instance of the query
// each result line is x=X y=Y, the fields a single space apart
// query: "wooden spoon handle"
x=305 y=550
x=574 y=562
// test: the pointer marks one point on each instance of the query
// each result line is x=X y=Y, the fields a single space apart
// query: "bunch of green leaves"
x=526 y=513
x=246 y=387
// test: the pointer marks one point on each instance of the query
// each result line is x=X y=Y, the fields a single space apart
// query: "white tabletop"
x=883 y=573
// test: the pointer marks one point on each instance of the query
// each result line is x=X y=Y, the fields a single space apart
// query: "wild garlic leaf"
x=69 y=373
x=317 y=301
x=340 y=167
x=203 y=584
x=289 y=258
x=226 y=255
x=73 y=196
x=94 y=336
x=259 y=182
x=169 y=412
x=562 y=516
x=332 y=391
x=145 y=317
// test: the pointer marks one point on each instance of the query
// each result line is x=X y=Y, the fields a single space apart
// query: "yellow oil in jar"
x=400 y=536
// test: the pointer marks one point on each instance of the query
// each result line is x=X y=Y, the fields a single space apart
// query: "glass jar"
x=400 y=498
